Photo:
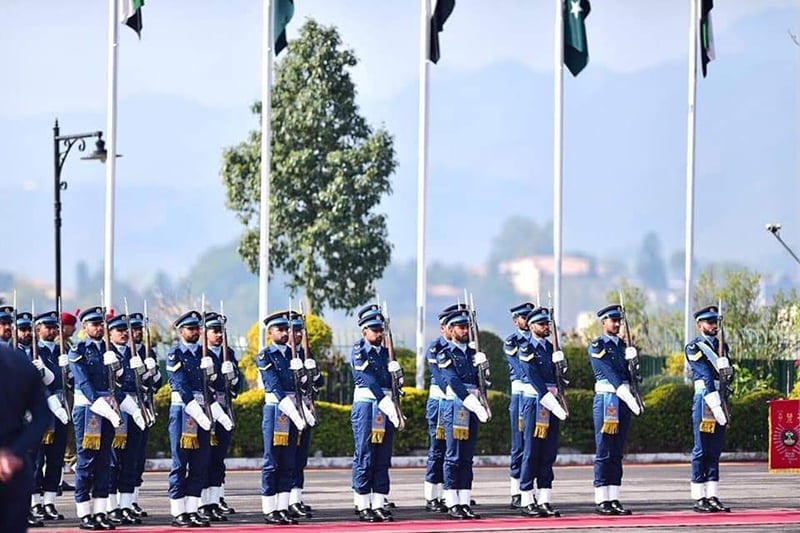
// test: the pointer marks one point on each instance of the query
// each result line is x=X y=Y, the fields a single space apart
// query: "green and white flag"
x=284 y=11
x=130 y=14
x=576 y=45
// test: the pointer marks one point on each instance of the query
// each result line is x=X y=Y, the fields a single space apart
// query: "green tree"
x=329 y=170
x=650 y=266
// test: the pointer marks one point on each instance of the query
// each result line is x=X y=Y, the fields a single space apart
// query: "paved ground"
x=647 y=489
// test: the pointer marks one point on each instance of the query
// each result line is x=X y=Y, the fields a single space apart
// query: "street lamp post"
x=62 y=144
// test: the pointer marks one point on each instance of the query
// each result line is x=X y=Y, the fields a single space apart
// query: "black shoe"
x=34 y=522
x=468 y=511
x=199 y=520
x=472 y=503
x=103 y=522
x=456 y=513
x=387 y=504
x=604 y=508
x=531 y=511
x=516 y=502
x=287 y=517
x=702 y=506
x=717 y=505
x=225 y=508
x=296 y=510
x=546 y=511
x=129 y=517
x=213 y=514
x=116 y=517
x=66 y=487
x=138 y=510
x=619 y=509
x=306 y=508
x=435 y=506
x=37 y=511
x=384 y=515
x=366 y=515
x=51 y=513
x=275 y=518
x=87 y=522
x=183 y=520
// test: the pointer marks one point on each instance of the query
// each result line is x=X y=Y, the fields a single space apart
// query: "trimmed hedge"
x=665 y=425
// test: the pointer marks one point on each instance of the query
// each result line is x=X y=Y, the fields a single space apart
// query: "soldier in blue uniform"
x=609 y=357
x=708 y=414
x=50 y=459
x=125 y=458
x=23 y=393
x=95 y=416
x=6 y=324
x=374 y=418
x=511 y=347
x=25 y=332
x=152 y=381
x=434 y=411
x=298 y=509
x=190 y=419
x=458 y=367
x=282 y=419
x=541 y=413
x=229 y=372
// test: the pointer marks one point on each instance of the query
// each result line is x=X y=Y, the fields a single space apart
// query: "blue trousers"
x=92 y=470
x=50 y=461
x=15 y=500
x=277 y=470
x=538 y=455
x=189 y=471
x=216 y=467
x=707 y=446
x=127 y=460
x=609 y=448
x=142 y=457
x=301 y=459
x=459 y=453
x=436 y=448
x=371 y=462
x=517 y=438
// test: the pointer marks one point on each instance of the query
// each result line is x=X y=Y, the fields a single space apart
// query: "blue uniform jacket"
x=127 y=382
x=701 y=365
x=219 y=384
x=50 y=360
x=276 y=375
x=438 y=344
x=90 y=374
x=371 y=367
x=21 y=390
x=536 y=361
x=608 y=360
x=183 y=371
x=511 y=348
x=154 y=383
x=457 y=370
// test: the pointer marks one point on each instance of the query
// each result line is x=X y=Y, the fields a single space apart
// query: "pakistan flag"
x=576 y=46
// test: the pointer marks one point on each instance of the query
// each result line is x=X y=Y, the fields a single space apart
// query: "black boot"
x=530 y=510
x=387 y=504
x=138 y=510
x=116 y=517
x=702 y=506
x=619 y=509
x=296 y=510
x=183 y=520
x=384 y=514
x=129 y=517
x=436 y=506
x=516 y=501
x=287 y=517
x=306 y=508
x=225 y=508
x=198 y=520
x=51 y=513
x=33 y=521
x=546 y=511
x=274 y=518
x=103 y=522
x=87 y=522
x=717 y=505
x=38 y=511
x=456 y=513
x=366 y=515
x=467 y=510
x=604 y=508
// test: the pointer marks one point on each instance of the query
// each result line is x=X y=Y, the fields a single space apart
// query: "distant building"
x=532 y=276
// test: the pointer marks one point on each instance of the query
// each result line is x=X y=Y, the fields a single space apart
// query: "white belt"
x=81 y=400
x=700 y=386
x=364 y=394
x=604 y=387
x=518 y=387
x=526 y=389
x=271 y=399
x=176 y=399
x=436 y=393
x=451 y=395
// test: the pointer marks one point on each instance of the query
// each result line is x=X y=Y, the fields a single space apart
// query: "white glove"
x=550 y=403
x=288 y=407
x=310 y=364
x=558 y=356
x=206 y=362
x=54 y=403
x=310 y=419
x=387 y=406
x=394 y=366
x=473 y=404
x=227 y=367
x=480 y=358
x=136 y=362
x=723 y=362
x=624 y=393
x=715 y=403
x=219 y=415
x=109 y=358
x=631 y=353
x=296 y=364
x=39 y=364
x=130 y=406
x=103 y=408
x=150 y=363
x=63 y=360
x=194 y=410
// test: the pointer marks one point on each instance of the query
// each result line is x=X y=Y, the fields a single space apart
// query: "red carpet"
x=677 y=519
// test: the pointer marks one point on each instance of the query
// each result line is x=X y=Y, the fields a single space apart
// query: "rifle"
x=312 y=389
x=146 y=331
x=34 y=342
x=62 y=349
x=725 y=374
x=634 y=366
x=475 y=343
x=561 y=366
x=112 y=369
x=397 y=389
x=204 y=373
x=147 y=415
x=223 y=320
x=14 y=331
x=298 y=374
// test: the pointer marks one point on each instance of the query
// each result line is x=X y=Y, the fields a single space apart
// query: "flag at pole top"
x=284 y=11
x=706 y=34
x=130 y=14
x=576 y=45
x=439 y=15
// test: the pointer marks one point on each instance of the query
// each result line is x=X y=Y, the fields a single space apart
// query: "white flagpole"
x=558 y=153
x=690 y=152
x=111 y=147
x=266 y=158
x=422 y=178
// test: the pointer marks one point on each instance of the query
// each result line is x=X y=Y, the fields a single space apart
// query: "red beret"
x=68 y=319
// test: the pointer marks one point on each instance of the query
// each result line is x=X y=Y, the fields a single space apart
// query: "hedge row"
x=664 y=427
